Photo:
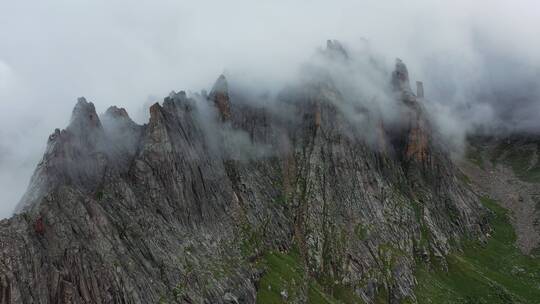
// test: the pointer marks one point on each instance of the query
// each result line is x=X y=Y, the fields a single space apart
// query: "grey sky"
x=127 y=53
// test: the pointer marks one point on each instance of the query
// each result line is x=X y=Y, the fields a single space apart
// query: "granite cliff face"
x=184 y=208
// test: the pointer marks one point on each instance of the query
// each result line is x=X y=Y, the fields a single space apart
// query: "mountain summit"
x=123 y=213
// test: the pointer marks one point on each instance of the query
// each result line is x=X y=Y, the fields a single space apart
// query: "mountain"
x=507 y=168
x=219 y=199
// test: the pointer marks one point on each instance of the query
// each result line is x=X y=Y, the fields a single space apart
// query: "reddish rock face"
x=223 y=104
x=418 y=141
x=317 y=115
x=39 y=226
x=220 y=96
x=154 y=112
x=419 y=132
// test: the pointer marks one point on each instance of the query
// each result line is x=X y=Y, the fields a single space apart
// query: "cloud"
x=470 y=55
x=6 y=77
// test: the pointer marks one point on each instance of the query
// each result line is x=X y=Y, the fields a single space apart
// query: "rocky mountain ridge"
x=184 y=208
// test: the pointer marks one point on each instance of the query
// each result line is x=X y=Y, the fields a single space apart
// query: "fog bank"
x=479 y=60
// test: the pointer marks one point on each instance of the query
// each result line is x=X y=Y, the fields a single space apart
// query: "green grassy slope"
x=496 y=272
x=284 y=281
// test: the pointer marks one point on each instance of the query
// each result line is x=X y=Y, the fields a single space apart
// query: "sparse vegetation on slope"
x=522 y=157
x=285 y=281
x=496 y=272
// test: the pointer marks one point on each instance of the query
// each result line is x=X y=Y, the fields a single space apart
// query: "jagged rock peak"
x=400 y=77
x=334 y=47
x=220 y=86
x=84 y=116
x=179 y=95
x=419 y=89
x=220 y=96
x=179 y=99
x=122 y=216
x=117 y=112
x=115 y=116
x=155 y=111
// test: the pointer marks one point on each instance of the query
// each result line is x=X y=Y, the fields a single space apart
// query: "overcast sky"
x=129 y=53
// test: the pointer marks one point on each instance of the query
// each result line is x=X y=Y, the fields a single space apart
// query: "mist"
x=479 y=61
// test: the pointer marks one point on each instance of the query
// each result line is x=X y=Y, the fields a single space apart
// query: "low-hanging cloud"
x=479 y=60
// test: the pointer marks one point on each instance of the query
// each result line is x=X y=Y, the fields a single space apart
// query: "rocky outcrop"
x=172 y=211
x=419 y=89
x=335 y=49
x=220 y=96
x=400 y=78
x=74 y=156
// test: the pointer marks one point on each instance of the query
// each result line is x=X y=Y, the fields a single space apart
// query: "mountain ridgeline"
x=219 y=200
